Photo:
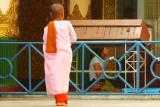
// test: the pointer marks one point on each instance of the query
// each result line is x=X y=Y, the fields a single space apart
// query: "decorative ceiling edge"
x=89 y=13
x=76 y=14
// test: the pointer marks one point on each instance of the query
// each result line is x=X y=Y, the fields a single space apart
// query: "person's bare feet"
x=61 y=104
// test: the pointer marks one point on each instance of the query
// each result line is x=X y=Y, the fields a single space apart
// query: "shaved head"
x=57 y=10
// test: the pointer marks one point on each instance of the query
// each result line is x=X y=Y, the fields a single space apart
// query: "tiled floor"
x=33 y=102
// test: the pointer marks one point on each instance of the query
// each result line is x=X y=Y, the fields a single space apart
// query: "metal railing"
x=82 y=44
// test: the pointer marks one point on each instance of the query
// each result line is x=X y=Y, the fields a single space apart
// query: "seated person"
x=96 y=65
x=129 y=13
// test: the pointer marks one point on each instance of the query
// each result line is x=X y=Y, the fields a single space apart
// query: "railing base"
x=148 y=90
x=89 y=97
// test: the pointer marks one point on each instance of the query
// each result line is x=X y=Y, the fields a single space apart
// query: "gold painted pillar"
x=109 y=9
x=9 y=18
x=8 y=32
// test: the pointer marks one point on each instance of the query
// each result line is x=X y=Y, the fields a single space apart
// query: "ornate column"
x=109 y=11
x=8 y=32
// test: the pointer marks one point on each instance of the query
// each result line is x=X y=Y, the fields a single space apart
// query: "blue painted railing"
x=83 y=45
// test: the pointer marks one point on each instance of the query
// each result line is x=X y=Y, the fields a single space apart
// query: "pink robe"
x=58 y=65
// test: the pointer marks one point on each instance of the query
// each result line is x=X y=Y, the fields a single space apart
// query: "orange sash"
x=51 y=38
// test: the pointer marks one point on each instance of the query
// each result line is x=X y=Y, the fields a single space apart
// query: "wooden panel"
x=125 y=32
x=119 y=32
x=81 y=32
x=77 y=30
x=96 y=9
x=92 y=32
x=122 y=33
x=132 y=33
x=136 y=34
x=113 y=32
x=78 y=33
x=107 y=31
x=103 y=29
x=106 y=22
x=144 y=33
x=97 y=32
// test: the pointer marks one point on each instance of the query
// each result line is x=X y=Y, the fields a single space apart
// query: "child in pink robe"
x=58 y=65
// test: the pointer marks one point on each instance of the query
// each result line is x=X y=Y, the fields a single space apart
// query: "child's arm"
x=72 y=33
x=97 y=67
